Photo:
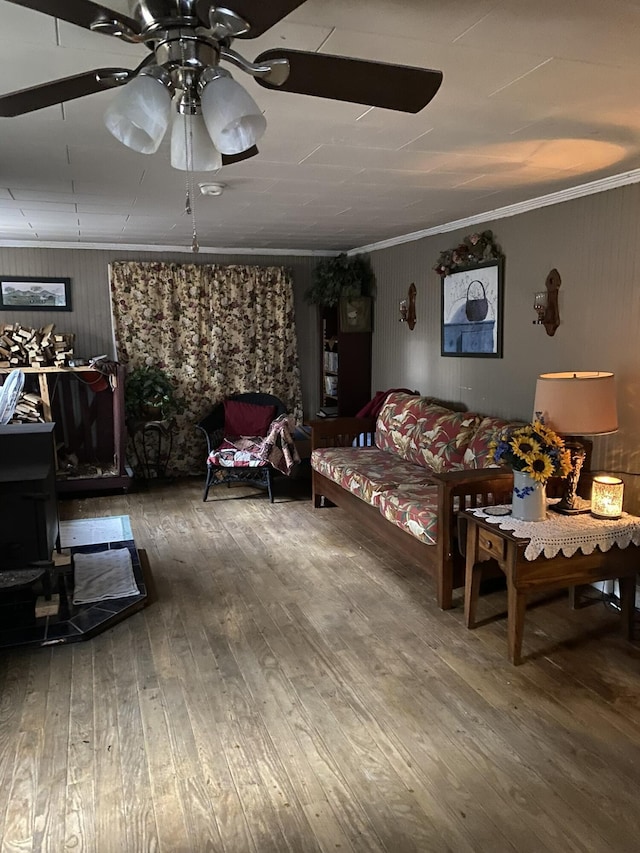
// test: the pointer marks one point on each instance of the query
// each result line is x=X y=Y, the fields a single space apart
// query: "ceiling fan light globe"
x=190 y=131
x=138 y=116
x=241 y=135
x=233 y=119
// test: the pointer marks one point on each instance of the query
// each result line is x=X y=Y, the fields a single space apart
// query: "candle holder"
x=540 y=306
x=407 y=308
x=606 y=497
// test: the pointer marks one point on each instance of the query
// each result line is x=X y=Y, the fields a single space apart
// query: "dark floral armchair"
x=247 y=437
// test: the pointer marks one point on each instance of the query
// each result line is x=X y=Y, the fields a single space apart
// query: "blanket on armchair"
x=277 y=448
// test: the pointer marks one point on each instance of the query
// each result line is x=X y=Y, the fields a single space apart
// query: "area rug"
x=102 y=575
x=94 y=531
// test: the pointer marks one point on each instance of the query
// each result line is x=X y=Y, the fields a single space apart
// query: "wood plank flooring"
x=295 y=689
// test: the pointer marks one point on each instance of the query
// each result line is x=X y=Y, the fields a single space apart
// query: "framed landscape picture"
x=26 y=293
x=472 y=311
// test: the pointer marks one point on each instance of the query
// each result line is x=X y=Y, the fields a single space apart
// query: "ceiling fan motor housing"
x=181 y=51
x=160 y=14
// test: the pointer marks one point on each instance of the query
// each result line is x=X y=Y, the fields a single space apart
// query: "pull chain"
x=189 y=199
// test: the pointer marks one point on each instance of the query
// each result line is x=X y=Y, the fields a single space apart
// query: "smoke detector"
x=212 y=189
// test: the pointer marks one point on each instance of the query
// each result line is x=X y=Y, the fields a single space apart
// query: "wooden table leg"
x=473 y=575
x=516 y=607
x=627 y=604
x=574 y=597
x=473 y=578
x=44 y=396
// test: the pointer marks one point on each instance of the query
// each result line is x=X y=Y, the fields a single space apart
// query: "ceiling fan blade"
x=228 y=159
x=83 y=13
x=65 y=89
x=359 y=81
x=259 y=14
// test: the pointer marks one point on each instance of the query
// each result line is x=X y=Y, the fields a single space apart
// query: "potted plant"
x=149 y=395
x=340 y=277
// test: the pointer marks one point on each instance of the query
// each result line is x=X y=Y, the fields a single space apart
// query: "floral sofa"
x=425 y=464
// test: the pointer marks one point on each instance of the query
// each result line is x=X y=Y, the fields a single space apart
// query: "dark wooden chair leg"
x=207 y=485
x=269 y=484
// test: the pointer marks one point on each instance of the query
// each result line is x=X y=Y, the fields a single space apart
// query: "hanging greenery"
x=474 y=249
x=339 y=278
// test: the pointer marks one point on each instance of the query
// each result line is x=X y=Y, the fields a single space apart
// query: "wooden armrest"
x=338 y=432
x=471 y=476
x=473 y=487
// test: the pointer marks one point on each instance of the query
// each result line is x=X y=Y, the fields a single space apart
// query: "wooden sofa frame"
x=443 y=561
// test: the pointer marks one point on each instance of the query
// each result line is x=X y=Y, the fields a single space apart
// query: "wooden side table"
x=487 y=541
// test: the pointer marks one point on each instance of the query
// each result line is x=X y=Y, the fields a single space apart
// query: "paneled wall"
x=594 y=242
x=90 y=318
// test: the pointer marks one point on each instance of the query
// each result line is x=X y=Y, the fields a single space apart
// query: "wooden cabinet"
x=90 y=433
x=345 y=367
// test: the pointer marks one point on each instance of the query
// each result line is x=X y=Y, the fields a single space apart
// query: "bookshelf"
x=345 y=367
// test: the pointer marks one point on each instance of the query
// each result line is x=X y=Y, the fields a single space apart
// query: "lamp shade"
x=189 y=131
x=138 y=115
x=577 y=403
x=233 y=118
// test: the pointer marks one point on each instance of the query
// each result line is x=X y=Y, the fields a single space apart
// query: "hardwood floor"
x=294 y=688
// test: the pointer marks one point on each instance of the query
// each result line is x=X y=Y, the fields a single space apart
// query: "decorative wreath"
x=475 y=249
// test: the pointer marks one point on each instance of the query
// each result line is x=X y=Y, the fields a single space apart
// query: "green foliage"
x=475 y=249
x=149 y=394
x=340 y=277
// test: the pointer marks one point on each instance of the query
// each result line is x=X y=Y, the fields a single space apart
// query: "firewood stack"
x=28 y=410
x=21 y=346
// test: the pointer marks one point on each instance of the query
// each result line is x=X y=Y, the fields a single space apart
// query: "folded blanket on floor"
x=103 y=575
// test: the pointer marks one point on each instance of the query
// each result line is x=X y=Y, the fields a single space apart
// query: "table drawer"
x=491 y=543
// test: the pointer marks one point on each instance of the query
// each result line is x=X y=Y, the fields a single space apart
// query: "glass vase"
x=529 y=498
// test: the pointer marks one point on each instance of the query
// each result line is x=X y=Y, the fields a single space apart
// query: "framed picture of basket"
x=472 y=307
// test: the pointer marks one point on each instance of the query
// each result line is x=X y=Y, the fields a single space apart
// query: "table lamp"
x=575 y=405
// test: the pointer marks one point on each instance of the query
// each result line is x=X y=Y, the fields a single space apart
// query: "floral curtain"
x=217 y=330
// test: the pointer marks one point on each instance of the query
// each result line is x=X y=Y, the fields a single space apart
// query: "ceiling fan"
x=216 y=121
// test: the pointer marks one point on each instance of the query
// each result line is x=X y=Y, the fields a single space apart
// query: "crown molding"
x=602 y=185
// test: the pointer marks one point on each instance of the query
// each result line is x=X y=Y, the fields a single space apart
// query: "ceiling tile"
x=535 y=98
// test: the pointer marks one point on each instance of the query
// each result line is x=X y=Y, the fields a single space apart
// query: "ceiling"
x=537 y=98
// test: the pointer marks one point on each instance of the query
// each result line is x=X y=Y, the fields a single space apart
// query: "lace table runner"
x=568 y=533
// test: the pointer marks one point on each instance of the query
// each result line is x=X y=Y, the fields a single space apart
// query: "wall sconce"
x=545 y=303
x=408 y=308
x=606 y=497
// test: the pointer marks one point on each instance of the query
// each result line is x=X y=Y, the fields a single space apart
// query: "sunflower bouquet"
x=534 y=449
